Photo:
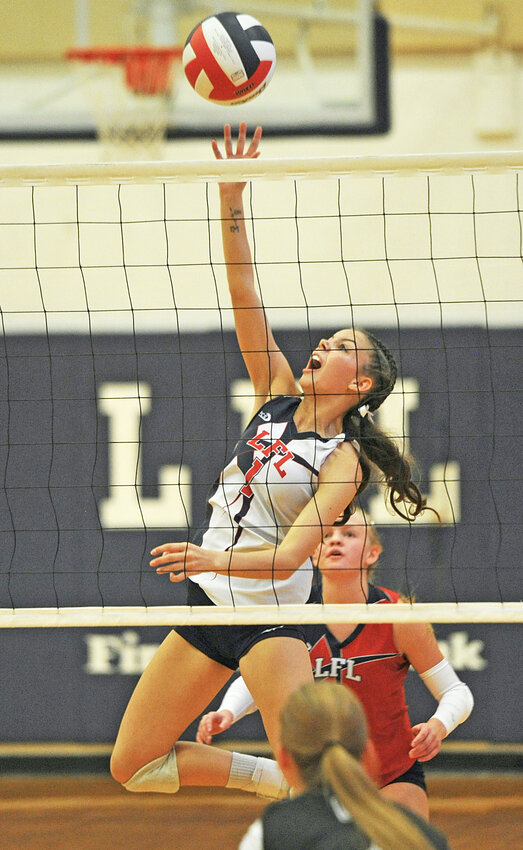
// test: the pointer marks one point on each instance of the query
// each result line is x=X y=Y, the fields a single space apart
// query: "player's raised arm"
x=268 y=368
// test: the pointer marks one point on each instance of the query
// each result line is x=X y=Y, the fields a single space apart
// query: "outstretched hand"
x=180 y=560
x=241 y=151
x=427 y=739
x=212 y=724
x=252 y=151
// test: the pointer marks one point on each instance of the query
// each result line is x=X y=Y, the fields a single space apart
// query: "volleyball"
x=229 y=58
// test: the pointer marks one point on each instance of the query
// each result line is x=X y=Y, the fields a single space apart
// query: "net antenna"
x=130 y=90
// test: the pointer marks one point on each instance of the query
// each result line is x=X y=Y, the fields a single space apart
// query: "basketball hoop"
x=131 y=91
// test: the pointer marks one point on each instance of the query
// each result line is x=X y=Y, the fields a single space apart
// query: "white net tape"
x=55 y=174
x=183 y=615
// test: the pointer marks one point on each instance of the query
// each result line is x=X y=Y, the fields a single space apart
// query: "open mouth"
x=314 y=363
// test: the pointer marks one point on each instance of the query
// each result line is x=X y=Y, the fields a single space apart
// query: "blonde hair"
x=323 y=728
x=371 y=532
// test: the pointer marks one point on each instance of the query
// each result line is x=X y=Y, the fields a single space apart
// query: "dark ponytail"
x=377 y=448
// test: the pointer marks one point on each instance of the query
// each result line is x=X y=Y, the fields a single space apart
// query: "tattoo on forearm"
x=235 y=214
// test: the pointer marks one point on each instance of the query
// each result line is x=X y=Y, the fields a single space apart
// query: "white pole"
x=81 y=23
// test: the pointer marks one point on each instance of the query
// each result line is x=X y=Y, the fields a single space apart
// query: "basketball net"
x=130 y=90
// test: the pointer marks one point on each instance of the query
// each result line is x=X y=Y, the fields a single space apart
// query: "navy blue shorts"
x=415 y=775
x=227 y=644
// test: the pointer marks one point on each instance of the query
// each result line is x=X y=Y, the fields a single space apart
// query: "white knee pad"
x=160 y=775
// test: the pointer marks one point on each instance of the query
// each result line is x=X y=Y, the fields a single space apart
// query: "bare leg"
x=272 y=670
x=411 y=796
x=176 y=686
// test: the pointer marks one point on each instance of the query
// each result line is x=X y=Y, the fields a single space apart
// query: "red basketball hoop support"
x=131 y=108
x=147 y=69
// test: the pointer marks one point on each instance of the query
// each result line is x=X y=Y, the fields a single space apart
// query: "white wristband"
x=238 y=700
x=454 y=696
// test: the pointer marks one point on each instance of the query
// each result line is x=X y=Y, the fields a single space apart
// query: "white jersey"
x=271 y=477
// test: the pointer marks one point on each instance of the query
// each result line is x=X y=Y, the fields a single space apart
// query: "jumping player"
x=305 y=454
x=372 y=660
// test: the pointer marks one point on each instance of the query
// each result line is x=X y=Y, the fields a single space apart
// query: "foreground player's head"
x=316 y=718
x=323 y=739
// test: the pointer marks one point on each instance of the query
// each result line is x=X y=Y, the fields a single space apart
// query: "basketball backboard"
x=331 y=75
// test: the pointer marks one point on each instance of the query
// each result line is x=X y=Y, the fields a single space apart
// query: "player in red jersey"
x=372 y=660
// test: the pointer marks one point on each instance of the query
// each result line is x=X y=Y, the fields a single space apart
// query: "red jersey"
x=369 y=663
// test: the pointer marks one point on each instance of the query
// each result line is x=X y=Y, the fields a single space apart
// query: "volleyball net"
x=123 y=390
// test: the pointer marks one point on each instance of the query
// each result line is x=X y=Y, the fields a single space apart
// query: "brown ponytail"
x=323 y=727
